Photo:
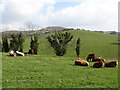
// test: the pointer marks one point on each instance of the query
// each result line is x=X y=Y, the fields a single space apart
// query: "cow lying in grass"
x=20 y=53
x=31 y=51
x=99 y=59
x=91 y=57
x=111 y=64
x=17 y=53
x=98 y=64
x=81 y=62
x=12 y=53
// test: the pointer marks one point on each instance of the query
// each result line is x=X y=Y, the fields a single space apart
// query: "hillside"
x=46 y=70
x=41 y=31
x=49 y=30
x=91 y=42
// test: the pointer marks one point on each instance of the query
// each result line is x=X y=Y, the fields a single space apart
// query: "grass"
x=54 y=72
x=46 y=70
x=91 y=42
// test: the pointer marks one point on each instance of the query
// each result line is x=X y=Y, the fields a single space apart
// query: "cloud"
x=89 y=14
x=19 y=11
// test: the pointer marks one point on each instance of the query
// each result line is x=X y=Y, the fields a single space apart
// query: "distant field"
x=46 y=70
x=54 y=72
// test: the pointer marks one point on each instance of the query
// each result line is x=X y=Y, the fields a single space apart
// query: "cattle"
x=31 y=51
x=20 y=53
x=12 y=53
x=111 y=64
x=98 y=64
x=81 y=62
x=90 y=57
x=99 y=59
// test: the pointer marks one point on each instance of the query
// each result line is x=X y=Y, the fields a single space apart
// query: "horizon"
x=60 y=27
x=93 y=15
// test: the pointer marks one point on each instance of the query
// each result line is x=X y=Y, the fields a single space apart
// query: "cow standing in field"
x=90 y=57
x=111 y=64
x=81 y=62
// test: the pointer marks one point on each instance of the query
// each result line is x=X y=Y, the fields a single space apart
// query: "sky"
x=94 y=15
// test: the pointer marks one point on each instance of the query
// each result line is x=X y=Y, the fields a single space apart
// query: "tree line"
x=58 y=41
x=16 y=41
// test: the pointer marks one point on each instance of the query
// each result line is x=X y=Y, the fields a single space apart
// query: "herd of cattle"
x=99 y=62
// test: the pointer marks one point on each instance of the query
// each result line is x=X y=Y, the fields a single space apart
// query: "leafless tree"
x=31 y=27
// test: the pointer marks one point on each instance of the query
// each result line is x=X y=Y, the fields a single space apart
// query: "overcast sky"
x=87 y=14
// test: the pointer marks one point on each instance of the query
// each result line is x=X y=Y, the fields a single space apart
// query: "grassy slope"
x=49 y=71
x=91 y=42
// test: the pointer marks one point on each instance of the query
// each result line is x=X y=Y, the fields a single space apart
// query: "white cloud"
x=90 y=14
x=17 y=11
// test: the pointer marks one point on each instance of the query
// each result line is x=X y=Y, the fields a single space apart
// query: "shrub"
x=16 y=43
x=34 y=44
x=59 y=42
x=78 y=47
x=5 y=45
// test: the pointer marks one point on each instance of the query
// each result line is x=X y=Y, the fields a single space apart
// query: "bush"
x=59 y=42
x=34 y=44
x=78 y=47
x=16 y=43
x=5 y=45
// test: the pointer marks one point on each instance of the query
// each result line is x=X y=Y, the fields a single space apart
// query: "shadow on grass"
x=80 y=65
x=93 y=67
x=115 y=43
x=73 y=65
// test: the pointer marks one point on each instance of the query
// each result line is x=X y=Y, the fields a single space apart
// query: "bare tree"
x=31 y=27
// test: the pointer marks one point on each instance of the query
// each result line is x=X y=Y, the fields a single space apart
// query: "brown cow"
x=90 y=57
x=111 y=64
x=99 y=59
x=98 y=64
x=81 y=62
x=31 y=51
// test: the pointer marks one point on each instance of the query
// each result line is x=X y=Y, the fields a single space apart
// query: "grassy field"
x=91 y=42
x=54 y=72
x=46 y=70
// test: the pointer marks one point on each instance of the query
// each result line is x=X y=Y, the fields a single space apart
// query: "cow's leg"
x=93 y=59
x=88 y=59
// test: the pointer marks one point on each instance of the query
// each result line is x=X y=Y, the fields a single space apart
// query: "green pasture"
x=104 y=45
x=46 y=70
x=40 y=71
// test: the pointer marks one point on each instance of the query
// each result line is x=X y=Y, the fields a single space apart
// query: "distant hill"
x=41 y=31
x=49 y=30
